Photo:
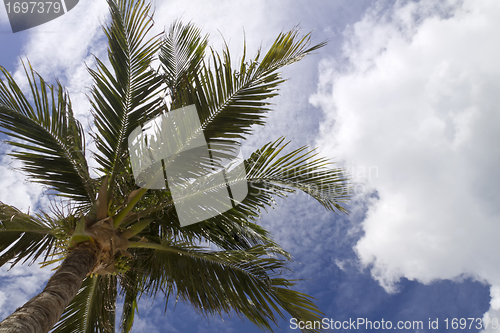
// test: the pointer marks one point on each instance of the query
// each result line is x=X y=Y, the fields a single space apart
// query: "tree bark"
x=43 y=311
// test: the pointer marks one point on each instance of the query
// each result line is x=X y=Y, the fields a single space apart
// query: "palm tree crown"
x=118 y=238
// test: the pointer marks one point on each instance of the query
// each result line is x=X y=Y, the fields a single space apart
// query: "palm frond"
x=131 y=291
x=231 y=100
x=128 y=95
x=270 y=171
x=270 y=174
x=53 y=142
x=23 y=236
x=93 y=308
x=220 y=282
x=182 y=53
x=231 y=230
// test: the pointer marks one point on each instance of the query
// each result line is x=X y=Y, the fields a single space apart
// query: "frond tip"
x=275 y=173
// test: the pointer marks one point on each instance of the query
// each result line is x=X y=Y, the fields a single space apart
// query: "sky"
x=404 y=96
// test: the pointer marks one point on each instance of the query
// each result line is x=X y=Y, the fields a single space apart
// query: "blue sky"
x=404 y=96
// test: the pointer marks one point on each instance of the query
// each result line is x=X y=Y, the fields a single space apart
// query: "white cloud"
x=418 y=100
x=17 y=191
x=142 y=325
x=19 y=284
x=62 y=44
x=61 y=49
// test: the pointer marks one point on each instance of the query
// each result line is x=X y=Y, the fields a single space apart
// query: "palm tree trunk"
x=43 y=311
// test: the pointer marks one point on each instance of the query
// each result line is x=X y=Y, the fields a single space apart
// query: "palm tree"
x=112 y=237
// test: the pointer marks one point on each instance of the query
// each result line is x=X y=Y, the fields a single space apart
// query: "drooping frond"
x=23 y=237
x=302 y=170
x=52 y=140
x=215 y=283
x=127 y=95
x=93 y=308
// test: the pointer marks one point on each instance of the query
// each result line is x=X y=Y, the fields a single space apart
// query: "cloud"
x=22 y=194
x=61 y=49
x=416 y=98
x=19 y=284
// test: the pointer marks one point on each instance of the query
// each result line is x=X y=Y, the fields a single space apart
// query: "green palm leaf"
x=230 y=230
x=231 y=100
x=52 y=140
x=270 y=175
x=222 y=281
x=182 y=53
x=23 y=236
x=301 y=170
x=128 y=96
x=245 y=275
